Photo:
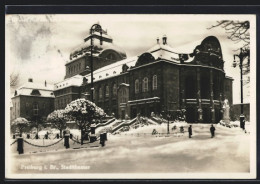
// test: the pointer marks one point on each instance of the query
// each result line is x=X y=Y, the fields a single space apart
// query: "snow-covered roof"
x=112 y=69
x=33 y=85
x=167 y=52
x=76 y=80
x=83 y=49
x=158 y=51
x=28 y=88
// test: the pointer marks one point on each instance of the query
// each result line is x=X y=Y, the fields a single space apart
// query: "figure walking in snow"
x=190 y=131
x=212 y=131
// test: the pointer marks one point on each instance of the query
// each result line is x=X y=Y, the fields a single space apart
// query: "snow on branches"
x=84 y=112
x=58 y=119
x=20 y=123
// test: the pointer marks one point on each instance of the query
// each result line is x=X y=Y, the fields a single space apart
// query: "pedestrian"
x=190 y=131
x=212 y=131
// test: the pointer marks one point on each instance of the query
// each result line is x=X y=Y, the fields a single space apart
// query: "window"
x=136 y=86
x=80 y=66
x=114 y=90
x=154 y=82
x=145 y=84
x=35 y=109
x=123 y=93
x=100 y=93
x=27 y=104
x=107 y=91
x=44 y=105
x=35 y=92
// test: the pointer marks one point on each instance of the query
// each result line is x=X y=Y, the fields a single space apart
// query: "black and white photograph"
x=149 y=96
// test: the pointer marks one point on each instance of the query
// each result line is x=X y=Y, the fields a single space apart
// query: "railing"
x=105 y=124
x=123 y=124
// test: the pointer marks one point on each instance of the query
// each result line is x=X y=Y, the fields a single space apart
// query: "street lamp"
x=94 y=28
x=244 y=53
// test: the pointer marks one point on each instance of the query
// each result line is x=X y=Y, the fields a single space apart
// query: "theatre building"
x=162 y=80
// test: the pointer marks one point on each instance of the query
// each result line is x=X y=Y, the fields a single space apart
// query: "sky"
x=38 y=46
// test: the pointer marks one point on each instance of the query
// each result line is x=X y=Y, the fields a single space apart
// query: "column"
x=198 y=95
x=181 y=88
x=212 y=97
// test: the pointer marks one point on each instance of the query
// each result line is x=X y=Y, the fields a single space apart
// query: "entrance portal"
x=191 y=114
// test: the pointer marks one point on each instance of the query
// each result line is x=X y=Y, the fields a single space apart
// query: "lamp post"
x=242 y=55
x=94 y=28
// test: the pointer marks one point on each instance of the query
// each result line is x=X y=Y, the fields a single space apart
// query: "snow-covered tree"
x=20 y=124
x=58 y=119
x=37 y=122
x=84 y=113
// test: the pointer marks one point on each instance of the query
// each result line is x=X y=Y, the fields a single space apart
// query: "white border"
x=197 y=17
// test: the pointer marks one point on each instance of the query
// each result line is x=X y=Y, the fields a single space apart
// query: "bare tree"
x=237 y=31
x=14 y=79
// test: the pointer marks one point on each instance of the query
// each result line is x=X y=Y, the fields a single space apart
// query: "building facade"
x=161 y=80
x=32 y=99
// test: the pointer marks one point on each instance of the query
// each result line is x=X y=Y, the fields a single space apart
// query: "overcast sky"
x=38 y=46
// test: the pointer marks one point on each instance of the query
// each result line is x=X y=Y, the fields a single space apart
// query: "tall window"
x=123 y=98
x=107 y=91
x=100 y=93
x=35 y=109
x=154 y=82
x=145 y=84
x=136 y=86
x=114 y=90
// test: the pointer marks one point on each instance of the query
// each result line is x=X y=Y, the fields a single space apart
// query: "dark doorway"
x=133 y=112
x=217 y=115
x=191 y=115
x=123 y=114
x=206 y=115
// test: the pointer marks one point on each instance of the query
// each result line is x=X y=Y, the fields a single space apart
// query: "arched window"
x=154 y=82
x=114 y=90
x=107 y=91
x=100 y=93
x=145 y=84
x=136 y=86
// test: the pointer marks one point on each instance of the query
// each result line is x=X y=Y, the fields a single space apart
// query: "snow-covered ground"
x=137 y=151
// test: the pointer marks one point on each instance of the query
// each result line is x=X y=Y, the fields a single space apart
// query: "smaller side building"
x=32 y=99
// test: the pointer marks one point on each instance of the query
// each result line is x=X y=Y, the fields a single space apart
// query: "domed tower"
x=105 y=52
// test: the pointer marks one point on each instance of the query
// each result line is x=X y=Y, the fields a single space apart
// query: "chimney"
x=45 y=83
x=164 y=38
x=158 y=40
x=30 y=80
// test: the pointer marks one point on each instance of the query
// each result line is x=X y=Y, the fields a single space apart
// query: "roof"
x=76 y=80
x=27 y=89
x=112 y=69
x=83 y=49
x=160 y=51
